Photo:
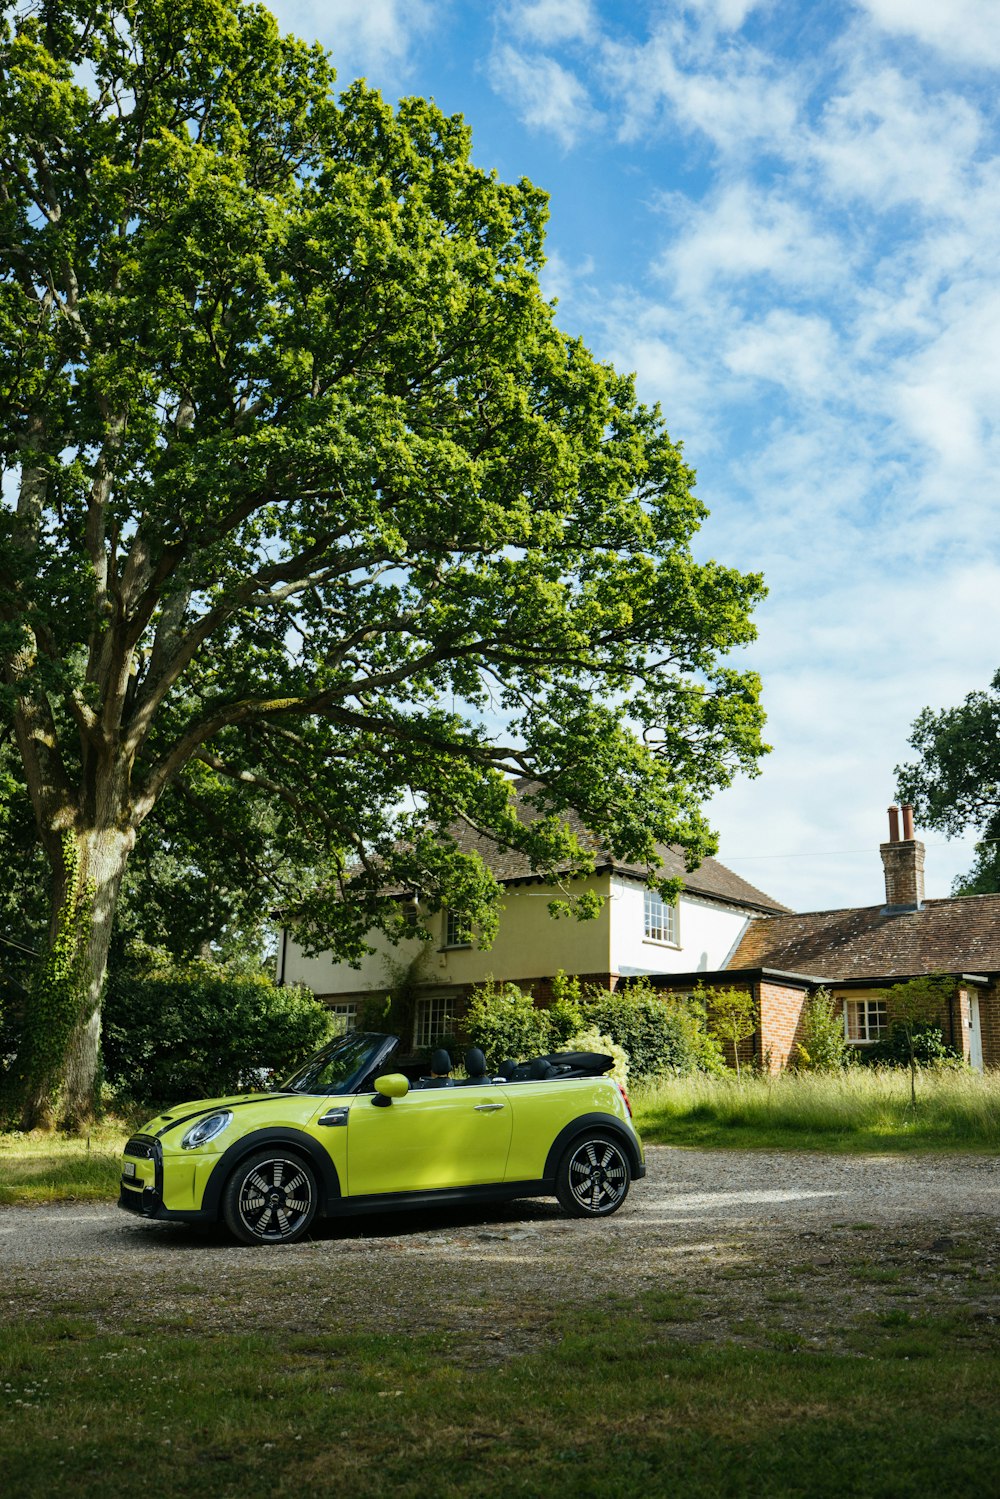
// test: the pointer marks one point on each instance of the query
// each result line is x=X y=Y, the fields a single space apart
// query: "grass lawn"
x=48 y=1167
x=622 y=1402
x=861 y=1110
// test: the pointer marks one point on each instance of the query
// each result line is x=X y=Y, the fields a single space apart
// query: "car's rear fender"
x=294 y=1140
x=587 y=1124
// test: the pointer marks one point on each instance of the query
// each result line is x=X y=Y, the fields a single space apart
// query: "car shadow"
x=400 y=1224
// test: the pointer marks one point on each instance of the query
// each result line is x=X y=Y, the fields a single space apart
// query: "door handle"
x=488 y=1108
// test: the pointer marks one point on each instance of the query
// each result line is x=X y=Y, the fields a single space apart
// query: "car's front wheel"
x=271 y=1198
x=593 y=1177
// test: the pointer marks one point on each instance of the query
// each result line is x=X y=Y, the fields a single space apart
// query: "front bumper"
x=142 y=1192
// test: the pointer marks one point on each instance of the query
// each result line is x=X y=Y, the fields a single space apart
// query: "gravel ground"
x=748 y=1244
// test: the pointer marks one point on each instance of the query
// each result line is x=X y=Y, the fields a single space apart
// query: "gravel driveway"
x=805 y=1235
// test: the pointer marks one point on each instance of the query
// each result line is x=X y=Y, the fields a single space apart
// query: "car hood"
x=188 y=1112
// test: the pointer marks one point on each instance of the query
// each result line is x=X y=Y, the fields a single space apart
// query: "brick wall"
x=989 y=1022
x=780 y=1022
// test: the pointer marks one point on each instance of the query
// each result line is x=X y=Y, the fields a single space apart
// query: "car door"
x=432 y=1139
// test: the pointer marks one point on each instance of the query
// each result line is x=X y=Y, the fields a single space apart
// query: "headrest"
x=475 y=1062
x=440 y=1061
x=540 y=1069
x=507 y=1069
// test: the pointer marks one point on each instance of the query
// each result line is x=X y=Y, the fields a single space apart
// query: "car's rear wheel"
x=593 y=1177
x=271 y=1198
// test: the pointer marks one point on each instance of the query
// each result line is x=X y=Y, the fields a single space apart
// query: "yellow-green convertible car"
x=346 y=1135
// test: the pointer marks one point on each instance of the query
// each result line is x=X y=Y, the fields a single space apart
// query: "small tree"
x=732 y=1016
x=912 y=1007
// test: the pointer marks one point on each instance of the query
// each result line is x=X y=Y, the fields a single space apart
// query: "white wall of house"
x=706 y=933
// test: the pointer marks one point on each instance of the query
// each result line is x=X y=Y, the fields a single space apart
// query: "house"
x=782 y=958
x=636 y=932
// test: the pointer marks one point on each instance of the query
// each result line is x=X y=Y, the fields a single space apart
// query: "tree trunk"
x=63 y=1044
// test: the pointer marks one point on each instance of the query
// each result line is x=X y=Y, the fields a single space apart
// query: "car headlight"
x=205 y=1130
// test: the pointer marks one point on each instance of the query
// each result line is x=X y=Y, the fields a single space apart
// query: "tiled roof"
x=961 y=935
x=710 y=879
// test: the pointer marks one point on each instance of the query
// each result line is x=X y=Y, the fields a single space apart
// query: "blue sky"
x=785 y=217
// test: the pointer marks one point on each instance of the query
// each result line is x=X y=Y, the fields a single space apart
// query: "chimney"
x=903 y=861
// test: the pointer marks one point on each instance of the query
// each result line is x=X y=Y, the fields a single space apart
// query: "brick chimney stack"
x=903 y=861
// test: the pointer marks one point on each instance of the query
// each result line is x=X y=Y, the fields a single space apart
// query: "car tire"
x=271 y=1198
x=594 y=1176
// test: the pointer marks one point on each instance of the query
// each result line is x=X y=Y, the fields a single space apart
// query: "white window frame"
x=865 y=1021
x=432 y=1018
x=456 y=930
x=345 y=1011
x=660 y=919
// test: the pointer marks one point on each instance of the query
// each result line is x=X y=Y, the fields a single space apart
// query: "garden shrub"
x=659 y=1033
x=175 y=1031
x=594 y=1040
x=824 y=1046
x=930 y=1049
x=503 y=1020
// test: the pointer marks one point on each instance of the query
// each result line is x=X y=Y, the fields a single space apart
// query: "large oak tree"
x=315 y=526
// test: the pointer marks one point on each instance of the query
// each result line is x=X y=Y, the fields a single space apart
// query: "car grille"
x=141 y=1148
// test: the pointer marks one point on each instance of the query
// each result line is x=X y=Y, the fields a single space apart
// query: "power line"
x=834 y=853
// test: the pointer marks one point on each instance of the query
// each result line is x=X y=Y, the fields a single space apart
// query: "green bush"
x=929 y=1048
x=824 y=1046
x=194 y=1030
x=661 y=1034
x=505 y=1023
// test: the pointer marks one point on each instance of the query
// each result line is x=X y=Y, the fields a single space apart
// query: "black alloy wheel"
x=271 y=1198
x=593 y=1177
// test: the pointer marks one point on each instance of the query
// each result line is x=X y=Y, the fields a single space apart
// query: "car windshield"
x=341 y=1066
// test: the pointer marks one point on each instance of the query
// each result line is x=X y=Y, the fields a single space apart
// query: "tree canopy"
x=955 y=784
x=315 y=527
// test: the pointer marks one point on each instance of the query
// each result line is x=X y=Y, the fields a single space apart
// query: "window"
x=456 y=930
x=433 y=1020
x=345 y=1017
x=865 y=1020
x=660 y=919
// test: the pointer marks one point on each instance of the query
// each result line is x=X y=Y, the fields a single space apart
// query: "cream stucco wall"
x=530 y=943
x=707 y=934
x=326 y=977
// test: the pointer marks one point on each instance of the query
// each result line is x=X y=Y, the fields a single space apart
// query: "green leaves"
x=319 y=516
x=955 y=784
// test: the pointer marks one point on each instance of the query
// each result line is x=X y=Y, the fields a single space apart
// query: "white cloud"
x=746 y=232
x=550 y=22
x=547 y=96
x=948 y=396
x=362 y=35
x=887 y=141
x=967 y=30
x=732 y=96
x=789 y=349
x=727 y=15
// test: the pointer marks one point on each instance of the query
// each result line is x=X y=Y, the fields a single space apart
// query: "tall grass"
x=42 y=1167
x=862 y=1109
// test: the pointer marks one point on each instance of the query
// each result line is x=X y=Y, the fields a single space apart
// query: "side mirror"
x=392 y=1085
